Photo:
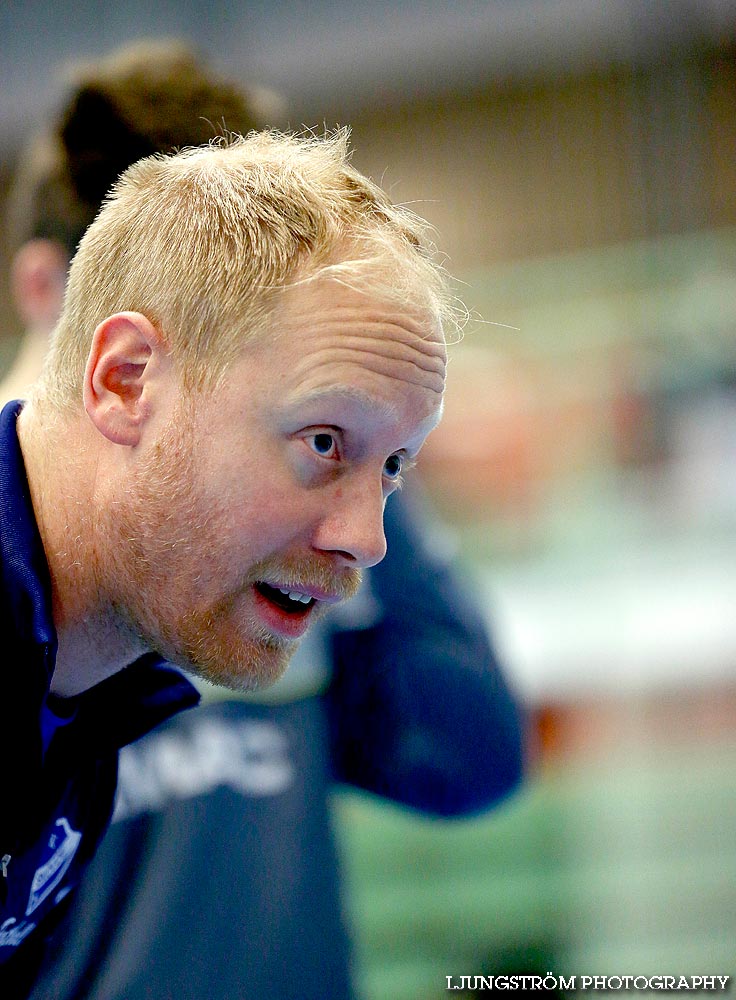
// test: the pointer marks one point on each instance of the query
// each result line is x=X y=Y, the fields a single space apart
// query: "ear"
x=124 y=360
x=37 y=278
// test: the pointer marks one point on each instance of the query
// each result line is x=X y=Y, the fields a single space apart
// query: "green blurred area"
x=620 y=866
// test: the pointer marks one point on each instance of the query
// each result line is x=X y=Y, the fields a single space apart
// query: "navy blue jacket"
x=56 y=798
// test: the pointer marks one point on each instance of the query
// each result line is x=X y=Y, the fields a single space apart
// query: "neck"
x=68 y=497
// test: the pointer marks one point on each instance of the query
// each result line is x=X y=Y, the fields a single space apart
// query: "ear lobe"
x=119 y=369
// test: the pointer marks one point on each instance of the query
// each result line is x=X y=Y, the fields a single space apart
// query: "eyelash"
x=396 y=481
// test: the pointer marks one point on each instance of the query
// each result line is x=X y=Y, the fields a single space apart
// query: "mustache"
x=307 y=572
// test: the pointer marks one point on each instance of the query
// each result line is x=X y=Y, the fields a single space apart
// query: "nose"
x=351 y=527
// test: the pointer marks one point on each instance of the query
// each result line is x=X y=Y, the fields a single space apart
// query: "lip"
x=287 y=624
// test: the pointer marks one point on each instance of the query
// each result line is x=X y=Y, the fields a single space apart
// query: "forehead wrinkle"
x=410 y=372
x=429 y=360
x=410 y=332
x=381 y=329
x=433 y=362
x=419 y=329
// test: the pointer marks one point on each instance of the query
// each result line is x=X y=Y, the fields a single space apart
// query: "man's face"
x=259 y=503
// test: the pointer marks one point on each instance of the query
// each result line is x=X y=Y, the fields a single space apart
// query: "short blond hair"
x=202 y=241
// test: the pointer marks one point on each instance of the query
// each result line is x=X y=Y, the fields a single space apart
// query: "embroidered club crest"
x=63 y=846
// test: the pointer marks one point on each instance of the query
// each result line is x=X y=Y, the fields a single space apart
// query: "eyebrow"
x=344 y=393
x=352 y=394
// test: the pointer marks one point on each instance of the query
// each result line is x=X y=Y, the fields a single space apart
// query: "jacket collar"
x=26 y=585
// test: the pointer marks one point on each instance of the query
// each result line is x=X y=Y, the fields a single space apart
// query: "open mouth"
x=291 y=601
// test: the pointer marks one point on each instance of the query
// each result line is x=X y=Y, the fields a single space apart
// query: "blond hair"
x=202 y=241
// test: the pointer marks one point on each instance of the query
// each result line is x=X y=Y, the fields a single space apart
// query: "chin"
x=222 y=645
x=246 y=667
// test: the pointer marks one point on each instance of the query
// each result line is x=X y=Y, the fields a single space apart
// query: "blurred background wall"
x=578 y=159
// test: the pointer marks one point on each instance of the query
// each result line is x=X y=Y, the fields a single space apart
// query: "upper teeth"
x=296 y=595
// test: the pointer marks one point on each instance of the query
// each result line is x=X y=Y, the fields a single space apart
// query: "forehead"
x=336 y=354
x=326 y=327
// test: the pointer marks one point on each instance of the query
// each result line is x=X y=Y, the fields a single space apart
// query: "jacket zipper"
x=4 y=862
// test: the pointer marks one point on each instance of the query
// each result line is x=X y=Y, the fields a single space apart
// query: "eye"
x=323 y=444
x=392 y=468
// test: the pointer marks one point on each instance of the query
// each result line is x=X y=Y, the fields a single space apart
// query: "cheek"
x=265 y=501
x=265 y=520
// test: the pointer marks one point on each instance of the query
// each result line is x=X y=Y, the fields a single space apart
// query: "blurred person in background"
x=220 y=877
